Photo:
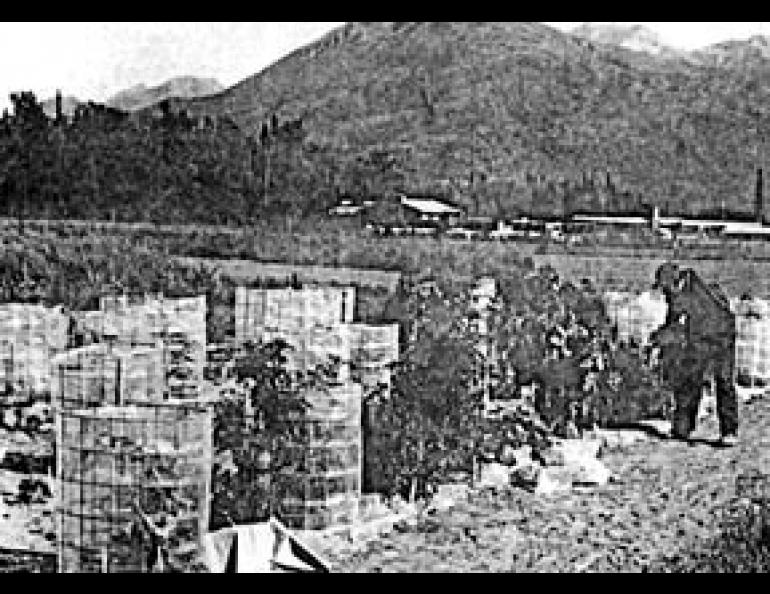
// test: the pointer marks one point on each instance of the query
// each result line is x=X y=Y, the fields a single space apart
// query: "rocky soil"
x=27 y=539
x=664 y=513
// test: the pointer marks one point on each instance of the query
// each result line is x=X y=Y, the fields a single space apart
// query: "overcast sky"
x=95 y=60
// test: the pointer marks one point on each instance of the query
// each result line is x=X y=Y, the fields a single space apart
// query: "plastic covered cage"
x=324 y=489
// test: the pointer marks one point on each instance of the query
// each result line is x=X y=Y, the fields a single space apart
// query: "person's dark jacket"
x=699 y=329
x=708 y=323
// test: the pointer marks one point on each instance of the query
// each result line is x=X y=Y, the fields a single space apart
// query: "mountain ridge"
x=141 y=95
x=460 y=104
x=628 y=36
x=736 y=54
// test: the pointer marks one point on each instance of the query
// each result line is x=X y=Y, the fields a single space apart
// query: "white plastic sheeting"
x=752 y=340
x=266 y=547
x=636 y=315
x=30 y=334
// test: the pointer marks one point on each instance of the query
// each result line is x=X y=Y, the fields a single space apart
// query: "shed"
x=430 y=209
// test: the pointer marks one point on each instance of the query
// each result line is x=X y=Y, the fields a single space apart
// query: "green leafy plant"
x=258 y=433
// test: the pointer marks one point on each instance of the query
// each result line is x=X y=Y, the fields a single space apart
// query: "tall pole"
x=758 y=162
x=472 y=180
x=25 y=194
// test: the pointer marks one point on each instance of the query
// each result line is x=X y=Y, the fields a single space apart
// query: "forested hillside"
x=160 y=167
x=511 y=115
x=503 y=118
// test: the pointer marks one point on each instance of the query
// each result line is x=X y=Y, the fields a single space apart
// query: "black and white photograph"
x=400 y=297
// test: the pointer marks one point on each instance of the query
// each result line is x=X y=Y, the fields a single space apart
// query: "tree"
x=430 y=425
x=258 y=434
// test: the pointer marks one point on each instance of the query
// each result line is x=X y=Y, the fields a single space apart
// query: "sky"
x=95 y=60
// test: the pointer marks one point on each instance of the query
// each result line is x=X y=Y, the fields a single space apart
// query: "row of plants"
x=541 y=332
x=429 y=427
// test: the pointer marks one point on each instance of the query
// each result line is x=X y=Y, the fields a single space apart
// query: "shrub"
x=255 y=422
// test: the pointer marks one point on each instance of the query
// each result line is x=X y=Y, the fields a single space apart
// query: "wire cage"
x=752 y=341
x=103 y=375
x=220 y=358
x=325 y=489
x=374 y=348
x=635 y=315
x=290 y=310
x=177 y=325
x=312 y=347
x=114 y=462
x=31 y=334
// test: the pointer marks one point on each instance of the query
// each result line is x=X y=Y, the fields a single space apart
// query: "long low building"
x=680 y=225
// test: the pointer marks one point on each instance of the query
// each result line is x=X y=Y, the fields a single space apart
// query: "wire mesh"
x=374 y=348
x=31 y=334
x=752 y=341
x=313 y=321
x=312 y=347
x=101 y=375
x=290 y=310
x=324 y=490
x=113 y=459
x=177 y=325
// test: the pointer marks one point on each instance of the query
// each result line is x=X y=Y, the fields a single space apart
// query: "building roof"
x=745 y=229
x=346 y=209
x=726 y=227
x=430 y=206
x=610 y=220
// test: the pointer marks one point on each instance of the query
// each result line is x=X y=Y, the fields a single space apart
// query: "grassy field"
x=734 y=276
x=320 y=251
x=246 y=271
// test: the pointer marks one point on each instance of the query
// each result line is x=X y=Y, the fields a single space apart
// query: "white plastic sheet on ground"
x=265 y=547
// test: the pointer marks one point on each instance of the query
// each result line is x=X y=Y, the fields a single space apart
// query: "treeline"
x=588 y=192
x=164 y=165
x=156 y=166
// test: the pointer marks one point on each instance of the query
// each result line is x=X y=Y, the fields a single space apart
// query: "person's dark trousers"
x=687 y=396
x=684 y=372
x=689 y=390
x=727 y=401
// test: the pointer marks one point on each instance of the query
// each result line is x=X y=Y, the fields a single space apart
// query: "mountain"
x=508 y=115
x=733 y=54
x=69 y=104
x=749 y=53
x=630 y=37
x=140 y=96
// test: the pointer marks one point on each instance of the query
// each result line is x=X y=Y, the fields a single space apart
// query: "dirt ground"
x=662 y=514
x=27 y=541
